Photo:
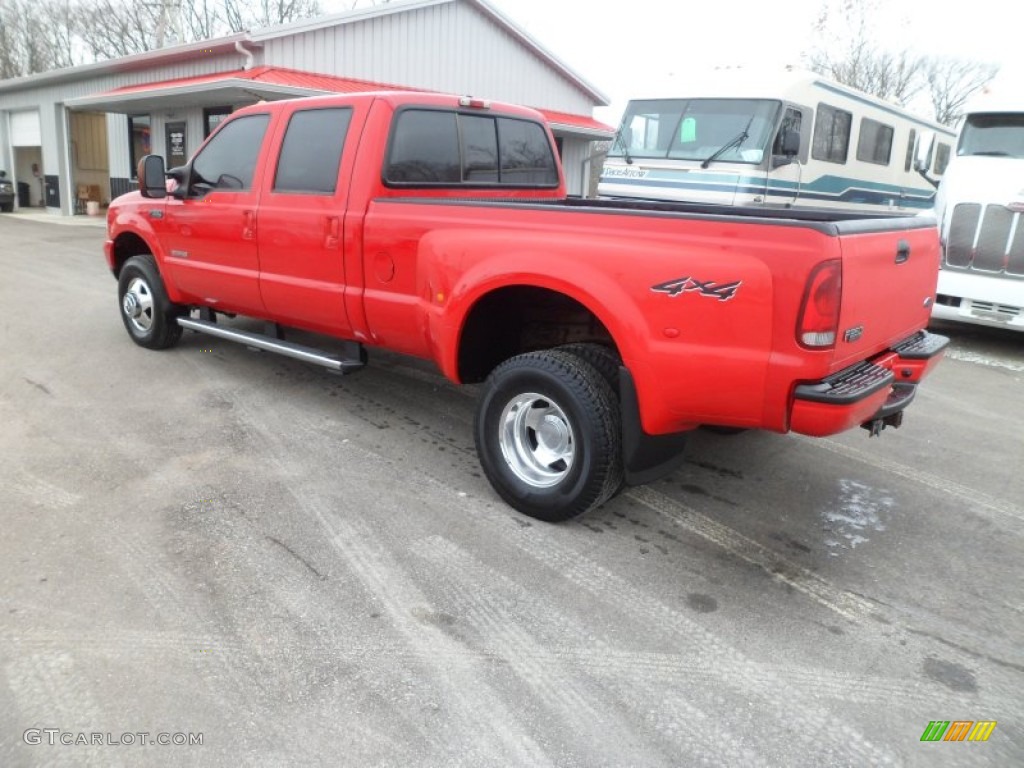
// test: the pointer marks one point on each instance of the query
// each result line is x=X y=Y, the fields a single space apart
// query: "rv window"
x=875 y=142
x=831 y=134
x=695 y=129
x=941 y=158
x=908 y=163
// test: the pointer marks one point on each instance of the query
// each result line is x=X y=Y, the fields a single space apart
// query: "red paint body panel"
x=702 y=306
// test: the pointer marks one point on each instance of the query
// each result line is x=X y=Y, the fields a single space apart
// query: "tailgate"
x=888 y=284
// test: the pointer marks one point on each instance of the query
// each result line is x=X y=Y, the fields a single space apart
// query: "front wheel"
x=149 y=316
x=548 y=434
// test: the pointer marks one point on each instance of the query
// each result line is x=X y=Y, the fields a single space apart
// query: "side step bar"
x=297 y=351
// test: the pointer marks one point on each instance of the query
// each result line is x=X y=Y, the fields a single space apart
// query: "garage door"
x=25 y=129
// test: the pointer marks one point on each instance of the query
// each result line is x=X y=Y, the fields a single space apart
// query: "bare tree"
x=35 y=36
x=846 y=53
x=113 y=28
x=40 y=35
x=241 y=14
x=203 y=19
x=952 y=81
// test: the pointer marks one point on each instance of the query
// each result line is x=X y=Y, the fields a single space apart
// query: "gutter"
x=249 y=57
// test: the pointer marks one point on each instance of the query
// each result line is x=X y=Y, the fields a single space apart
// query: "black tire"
x=7 y=207
x=601 y=357
x=576 y=463
x=606 y=362
x=148 y=315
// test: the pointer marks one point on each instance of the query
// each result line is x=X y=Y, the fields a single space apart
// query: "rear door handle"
x=902 y=251
x=331 y=236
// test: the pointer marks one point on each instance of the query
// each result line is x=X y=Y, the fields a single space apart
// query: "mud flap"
x=646 y=458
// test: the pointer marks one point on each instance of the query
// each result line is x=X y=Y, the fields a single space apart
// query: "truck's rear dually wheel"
x=548 y=435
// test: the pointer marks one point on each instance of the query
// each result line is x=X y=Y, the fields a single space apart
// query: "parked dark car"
x=6 y=193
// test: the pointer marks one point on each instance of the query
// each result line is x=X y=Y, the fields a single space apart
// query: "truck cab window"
x=993 y=134
x=479 y=149
x=525 y=153
x=228 y=161
x=311 y=151
x=424 y=148
x=453 y=148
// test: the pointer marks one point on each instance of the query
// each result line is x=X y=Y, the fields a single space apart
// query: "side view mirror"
x=790 y=142
x=151 y=177
x=924 y=148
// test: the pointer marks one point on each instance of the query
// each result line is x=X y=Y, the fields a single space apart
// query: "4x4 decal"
x=720 y=291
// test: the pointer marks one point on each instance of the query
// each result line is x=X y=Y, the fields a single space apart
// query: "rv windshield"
x=694 y=129
x=999 y=135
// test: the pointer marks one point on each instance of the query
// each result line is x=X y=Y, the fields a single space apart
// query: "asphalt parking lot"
x=302 y=569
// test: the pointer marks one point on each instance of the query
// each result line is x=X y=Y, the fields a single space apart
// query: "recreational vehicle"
x=785 y=138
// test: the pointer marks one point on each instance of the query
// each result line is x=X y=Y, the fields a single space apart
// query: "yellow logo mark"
x=982 y=730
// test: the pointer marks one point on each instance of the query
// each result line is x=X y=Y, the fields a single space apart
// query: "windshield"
x=695 y=129
x=1001 y=135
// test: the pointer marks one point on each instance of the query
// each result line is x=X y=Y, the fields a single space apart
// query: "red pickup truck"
x=603 y=332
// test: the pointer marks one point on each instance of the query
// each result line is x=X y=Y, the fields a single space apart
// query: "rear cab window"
x=431 y=147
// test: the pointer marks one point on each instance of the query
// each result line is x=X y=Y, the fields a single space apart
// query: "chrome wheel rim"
x=137 y=305
x=537 y=440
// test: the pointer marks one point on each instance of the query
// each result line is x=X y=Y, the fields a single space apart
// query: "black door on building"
x=177 y=152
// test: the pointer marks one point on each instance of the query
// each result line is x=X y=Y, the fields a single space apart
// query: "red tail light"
x=819 y=313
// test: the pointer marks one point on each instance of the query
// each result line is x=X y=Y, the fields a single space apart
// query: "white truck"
x=978 y=206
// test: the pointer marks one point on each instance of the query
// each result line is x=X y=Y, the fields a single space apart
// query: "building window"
x=212 y=117
x=831 y=134
x=139 y=140
x=875 y=142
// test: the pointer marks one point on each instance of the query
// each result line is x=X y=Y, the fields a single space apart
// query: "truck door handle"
x=332 y=229
x=249 y=225
x=902 y=251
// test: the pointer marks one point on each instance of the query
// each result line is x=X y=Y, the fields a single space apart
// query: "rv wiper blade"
x=738 y=139
x=620 y=140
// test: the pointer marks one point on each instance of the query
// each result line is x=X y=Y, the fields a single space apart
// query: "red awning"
x=272 y=83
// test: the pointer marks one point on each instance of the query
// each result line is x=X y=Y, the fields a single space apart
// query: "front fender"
x=135 y=220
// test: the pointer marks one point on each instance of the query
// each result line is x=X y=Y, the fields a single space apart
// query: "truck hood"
x=982 y=180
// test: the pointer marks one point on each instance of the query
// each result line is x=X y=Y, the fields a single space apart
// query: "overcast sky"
x=624 y=47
